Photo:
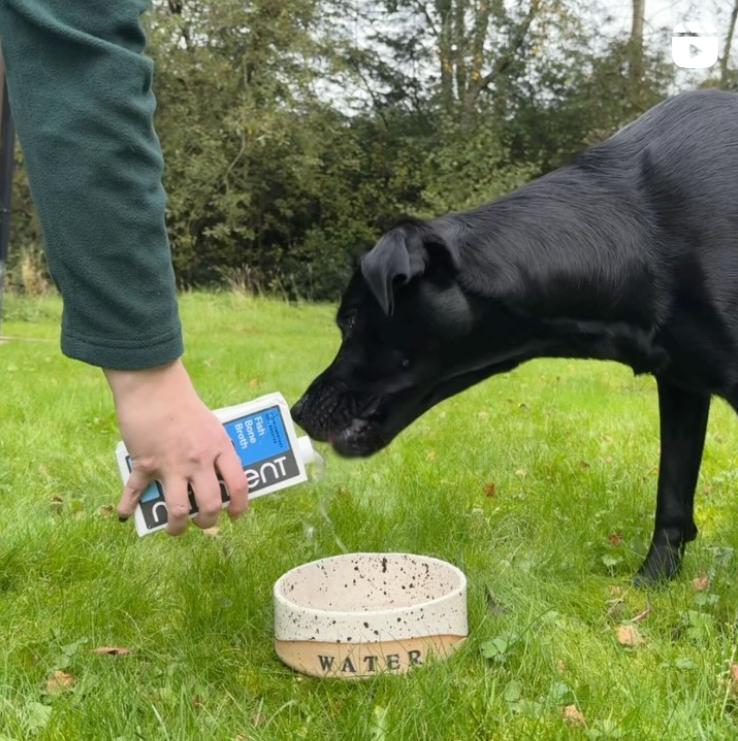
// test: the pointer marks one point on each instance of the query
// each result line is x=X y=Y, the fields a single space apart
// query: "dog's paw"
x=662 y=564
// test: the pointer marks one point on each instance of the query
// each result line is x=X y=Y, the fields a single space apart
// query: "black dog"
x=628 y=254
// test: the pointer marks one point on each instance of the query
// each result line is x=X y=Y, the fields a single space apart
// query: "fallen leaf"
x=655 y=470
x=573 y=715
x=212 y=531
x=560 y=665
x=615 y=590
x=111 y=650
x=430 y=455
x=520 y=472
x=706 y=491
x=56 y=503
x=253 y=383
x=733 y=679
x=240 y=737
x=608 y=459
x=629 y=635
x=606 y=439
x=106 y=510
x=489 y=489
x=615 y=538
x=196 y=701
x=58 y=681
x=524 y=407
x=700 y=582
x=584 y=465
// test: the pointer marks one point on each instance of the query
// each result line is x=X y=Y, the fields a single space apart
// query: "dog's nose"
x=297 y=410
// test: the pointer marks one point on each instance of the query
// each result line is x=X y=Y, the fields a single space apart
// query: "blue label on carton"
x=258 y=436
x=263 y=446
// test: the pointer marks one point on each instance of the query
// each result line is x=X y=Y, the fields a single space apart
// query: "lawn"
x=539 y=484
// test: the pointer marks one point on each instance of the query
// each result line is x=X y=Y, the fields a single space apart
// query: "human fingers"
x=232 y=473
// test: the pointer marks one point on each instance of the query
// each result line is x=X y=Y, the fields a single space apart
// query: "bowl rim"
x=458 y=591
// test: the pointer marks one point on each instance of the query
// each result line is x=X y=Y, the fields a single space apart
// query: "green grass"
x=571 y=448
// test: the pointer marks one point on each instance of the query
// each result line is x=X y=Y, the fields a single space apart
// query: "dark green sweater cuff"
x=131 y=355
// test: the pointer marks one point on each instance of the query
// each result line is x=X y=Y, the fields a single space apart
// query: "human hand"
x=173 y=437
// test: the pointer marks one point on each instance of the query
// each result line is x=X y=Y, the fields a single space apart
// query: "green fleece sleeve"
x=80 y=94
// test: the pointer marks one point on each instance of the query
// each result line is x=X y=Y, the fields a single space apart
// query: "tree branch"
x=423 y=8
x=506 y=59
x=728 y=44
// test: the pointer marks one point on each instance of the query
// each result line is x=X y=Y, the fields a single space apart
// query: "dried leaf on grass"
x=701 y=582
x=212 y=531
x=258 y=719
x=59 y=681
x=107 y=510
x=489 y=489
x=733 y=679
x=615 y=538
x=112 y=650
x=573 y=715
x=629 y=635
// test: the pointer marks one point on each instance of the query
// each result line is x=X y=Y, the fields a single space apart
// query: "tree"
x=636 y=40
x=725 y=60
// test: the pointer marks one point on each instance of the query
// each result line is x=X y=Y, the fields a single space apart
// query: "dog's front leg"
x=683 y=424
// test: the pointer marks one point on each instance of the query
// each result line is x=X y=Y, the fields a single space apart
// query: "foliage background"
x=294 y=129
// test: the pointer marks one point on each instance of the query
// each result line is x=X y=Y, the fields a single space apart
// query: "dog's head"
x=412 y=335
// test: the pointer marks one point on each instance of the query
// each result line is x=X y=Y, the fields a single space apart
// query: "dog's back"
x=682 y=157
x=642 y=229
x=688 y=177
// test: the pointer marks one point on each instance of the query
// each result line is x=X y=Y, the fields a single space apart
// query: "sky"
x=662 y=16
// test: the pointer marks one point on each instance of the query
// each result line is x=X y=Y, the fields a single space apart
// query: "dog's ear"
x=402 y=254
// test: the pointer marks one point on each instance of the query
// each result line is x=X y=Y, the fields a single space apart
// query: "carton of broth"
x=272 y=456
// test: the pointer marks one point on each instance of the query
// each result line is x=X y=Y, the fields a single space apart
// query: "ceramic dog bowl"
x=361 y=614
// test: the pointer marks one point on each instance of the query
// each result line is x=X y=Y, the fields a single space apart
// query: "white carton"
x=264 y=438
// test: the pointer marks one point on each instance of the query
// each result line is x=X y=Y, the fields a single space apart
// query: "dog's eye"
x=406 y=363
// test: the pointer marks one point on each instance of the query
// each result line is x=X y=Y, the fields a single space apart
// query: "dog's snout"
x=297 y=411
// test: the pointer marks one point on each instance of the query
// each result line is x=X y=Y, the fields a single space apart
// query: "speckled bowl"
x=361 y=614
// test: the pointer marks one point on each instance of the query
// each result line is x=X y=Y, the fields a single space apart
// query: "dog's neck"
x=570 y=244
x=571 y=252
